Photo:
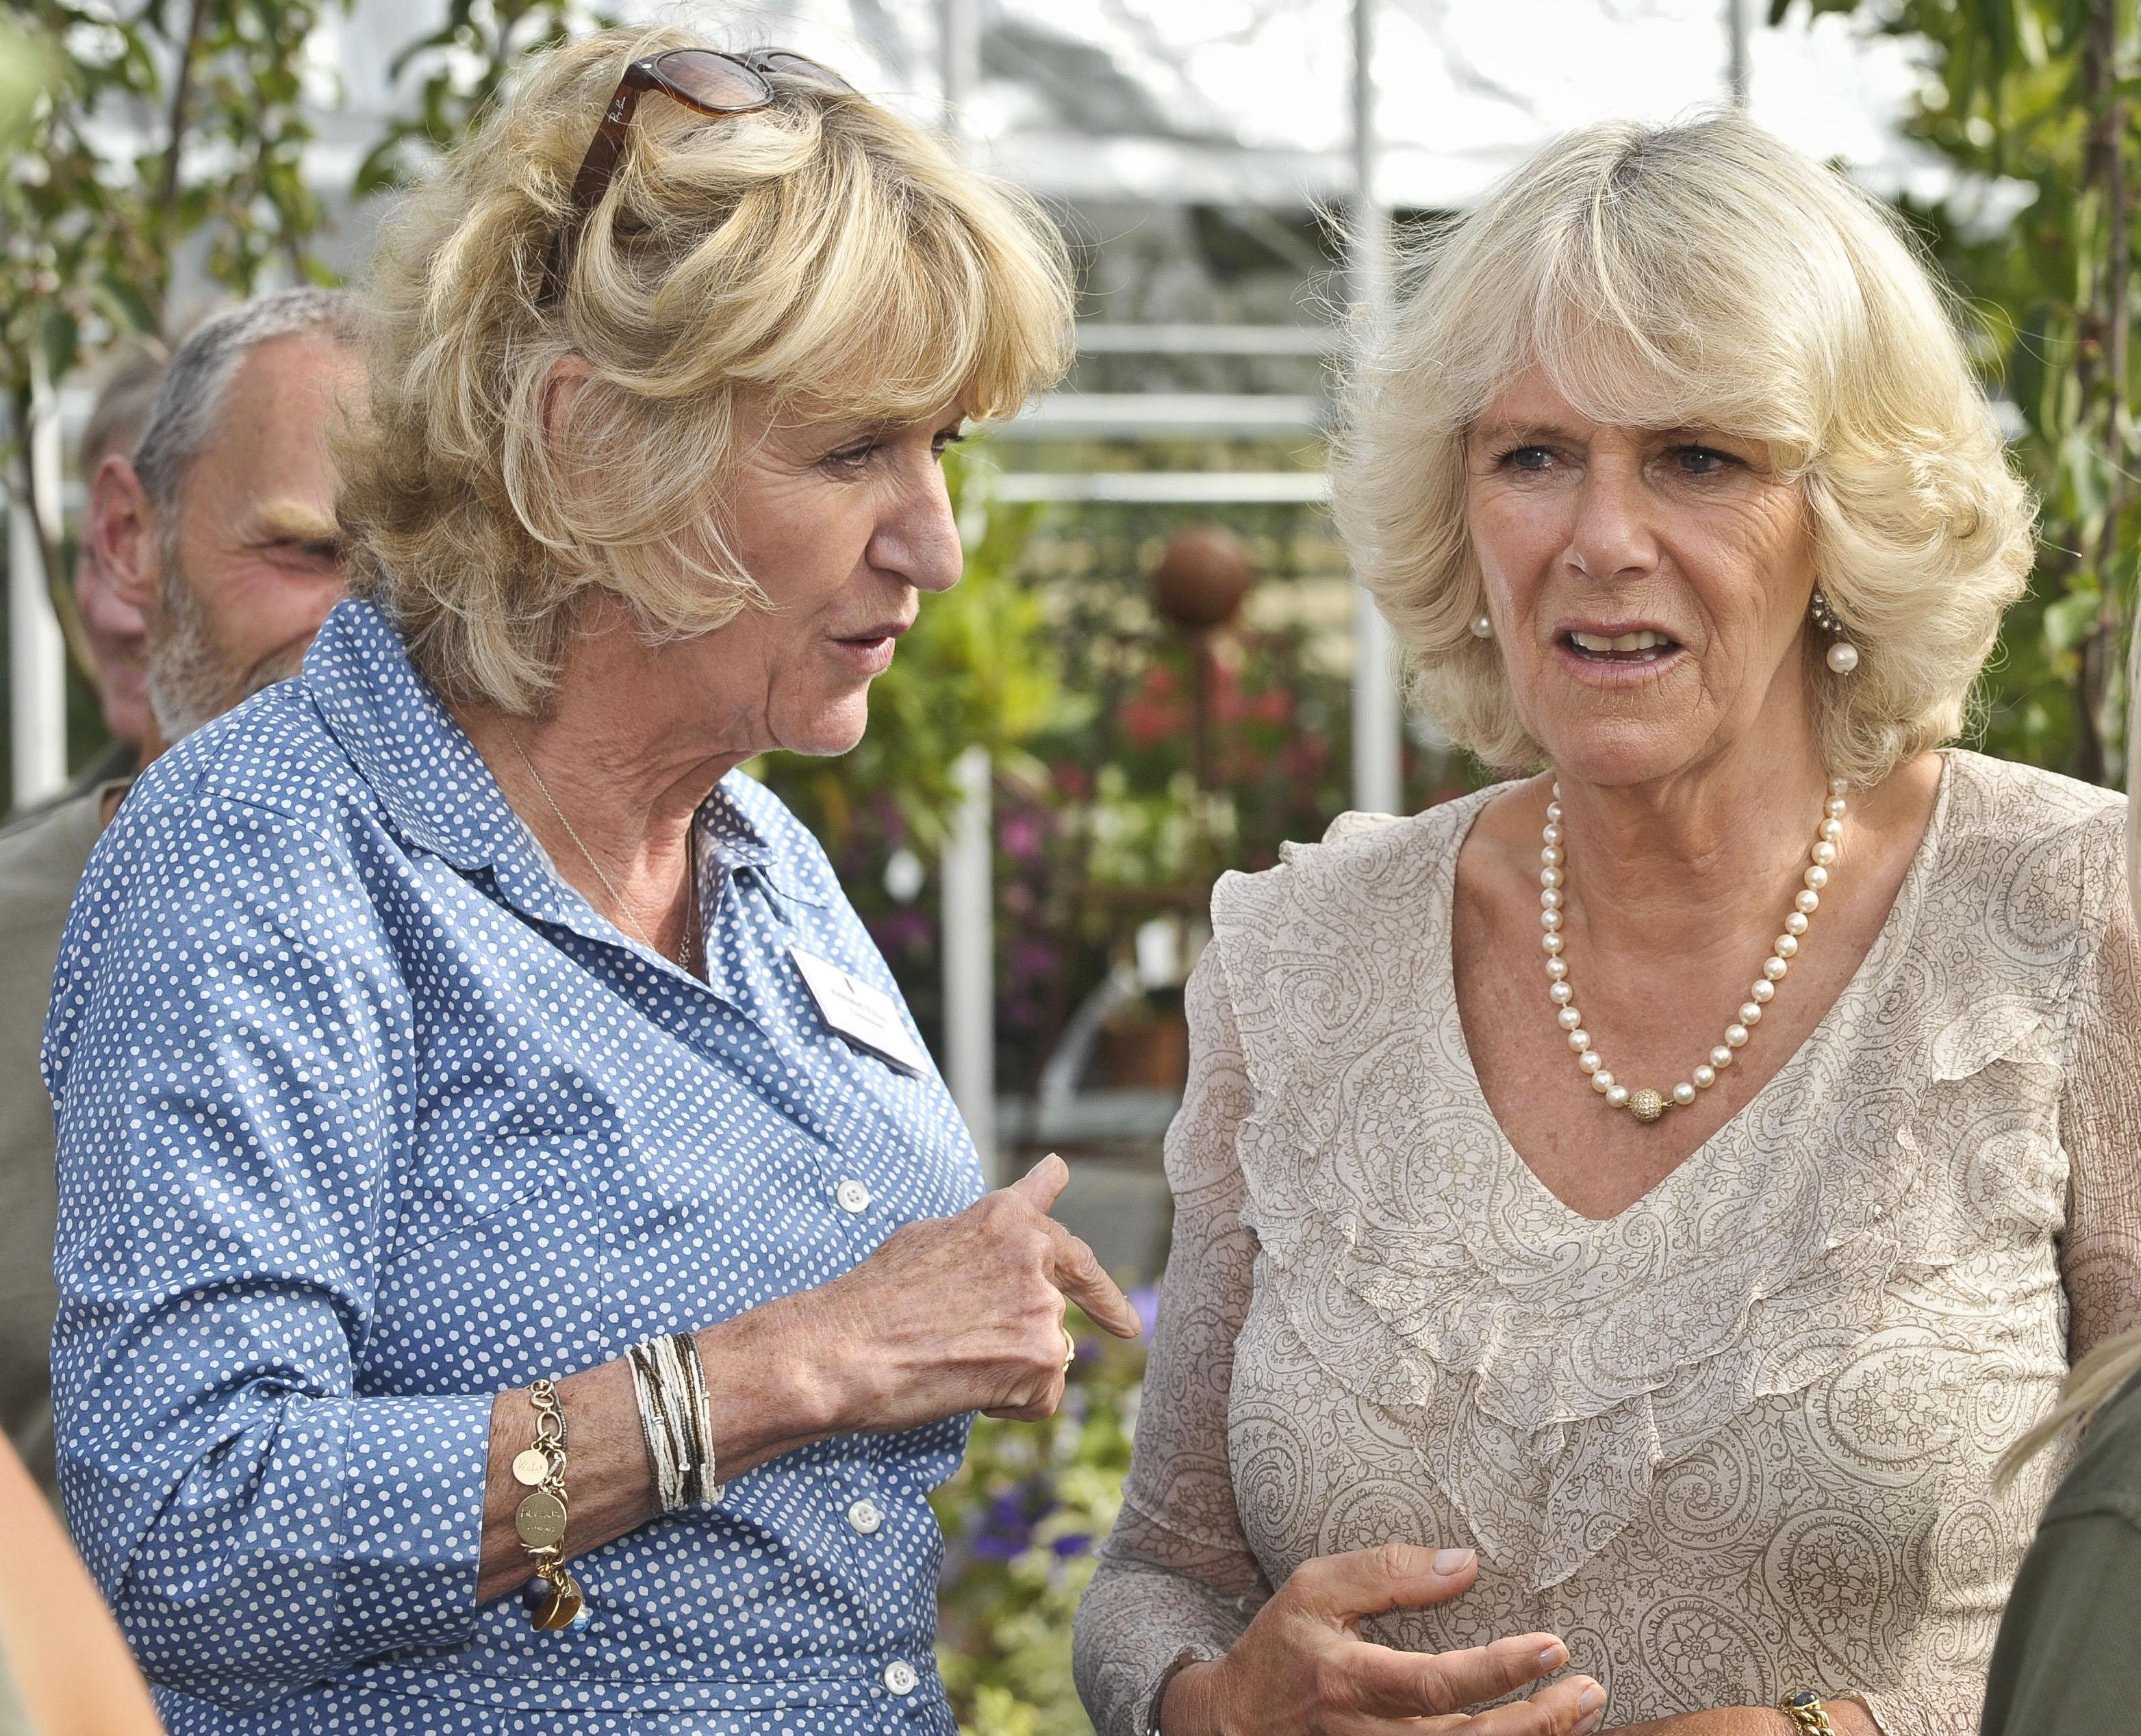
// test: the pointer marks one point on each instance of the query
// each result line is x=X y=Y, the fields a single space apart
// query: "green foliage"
x=2032 y=101
x=210 y=95
x=1022 y=1518
x=171 y=122
x=28 y=64
x=460 y=67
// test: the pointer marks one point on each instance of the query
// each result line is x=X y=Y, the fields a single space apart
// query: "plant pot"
x=1147 y=1054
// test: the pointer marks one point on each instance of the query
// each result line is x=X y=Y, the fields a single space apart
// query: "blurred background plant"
x=27 y=64
x=1022 y=1518
x=209 y=162
x=2033 y=103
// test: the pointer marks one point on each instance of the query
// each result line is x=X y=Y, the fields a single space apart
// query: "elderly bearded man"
x=220 y=530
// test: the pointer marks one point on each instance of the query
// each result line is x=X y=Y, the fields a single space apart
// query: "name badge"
x=864 y=1015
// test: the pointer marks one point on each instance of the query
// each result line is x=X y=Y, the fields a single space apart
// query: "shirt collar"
x=438 y=792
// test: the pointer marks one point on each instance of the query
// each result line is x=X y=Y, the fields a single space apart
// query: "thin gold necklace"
x=683 y=954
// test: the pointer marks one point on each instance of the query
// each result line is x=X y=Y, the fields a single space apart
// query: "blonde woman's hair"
x=822 y=254
x=1698 y=274
x=2099 y=1376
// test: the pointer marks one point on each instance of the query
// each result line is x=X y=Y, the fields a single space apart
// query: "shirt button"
x=899 y=1676
x=852 y=1196
x=865 y=1517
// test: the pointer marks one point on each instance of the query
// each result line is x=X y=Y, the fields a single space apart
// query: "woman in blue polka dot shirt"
x=455 y=1017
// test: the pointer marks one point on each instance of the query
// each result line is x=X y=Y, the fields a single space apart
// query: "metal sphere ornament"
x=1203 y=576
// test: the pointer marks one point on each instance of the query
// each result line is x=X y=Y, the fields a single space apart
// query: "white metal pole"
x=1378 y=719
x=37 y=654
x=959 y=23
x=1739 y=71
x=969 y=867
x=969 y=957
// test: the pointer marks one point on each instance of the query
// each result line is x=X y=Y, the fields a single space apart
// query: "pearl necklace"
x=1647 y=1105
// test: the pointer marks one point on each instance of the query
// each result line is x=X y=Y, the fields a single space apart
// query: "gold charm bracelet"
x=554 y=1599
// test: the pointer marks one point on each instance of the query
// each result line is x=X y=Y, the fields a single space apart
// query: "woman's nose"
x=1611 y=533
x=919 y=537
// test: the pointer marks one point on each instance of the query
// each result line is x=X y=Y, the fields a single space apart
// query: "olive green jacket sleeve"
x=2069 y=1658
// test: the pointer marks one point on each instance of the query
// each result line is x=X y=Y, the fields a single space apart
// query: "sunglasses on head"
x=706 y=81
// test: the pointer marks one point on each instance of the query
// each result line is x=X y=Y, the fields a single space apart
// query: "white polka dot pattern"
x=365 y=1115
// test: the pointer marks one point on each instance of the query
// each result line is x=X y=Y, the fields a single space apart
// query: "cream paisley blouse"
x=1737 y=1440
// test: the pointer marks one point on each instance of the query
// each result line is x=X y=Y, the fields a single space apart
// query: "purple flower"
x=1075 y=1542
x=1021 y=835
x=1031 y=959
x=899 y=930
x=1145 y=1299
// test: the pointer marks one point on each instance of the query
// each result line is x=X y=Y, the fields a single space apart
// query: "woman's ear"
x=568 y=375
x=121 y=533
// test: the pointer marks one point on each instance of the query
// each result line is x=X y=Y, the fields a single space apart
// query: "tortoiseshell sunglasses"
x=704 y=81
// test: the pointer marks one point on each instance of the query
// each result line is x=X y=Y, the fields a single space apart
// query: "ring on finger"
x=1069 y=1350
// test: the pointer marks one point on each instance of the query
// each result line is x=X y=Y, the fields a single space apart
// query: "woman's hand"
x=960 y=1314
x=1302 y=1666
x=951 y=1315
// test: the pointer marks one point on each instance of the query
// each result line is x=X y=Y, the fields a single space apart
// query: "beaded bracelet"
x=554 y=1599
x=675 y=1421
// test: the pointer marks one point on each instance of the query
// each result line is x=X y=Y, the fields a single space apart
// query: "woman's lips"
x=1617 y=659
x=869 y=654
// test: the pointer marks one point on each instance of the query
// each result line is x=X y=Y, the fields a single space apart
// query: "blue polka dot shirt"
x=365 y=1115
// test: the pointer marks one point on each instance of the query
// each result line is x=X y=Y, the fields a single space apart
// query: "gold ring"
x=1069 y=1350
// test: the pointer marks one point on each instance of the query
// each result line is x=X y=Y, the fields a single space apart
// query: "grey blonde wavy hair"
x=1701 y=273
x=821 y=252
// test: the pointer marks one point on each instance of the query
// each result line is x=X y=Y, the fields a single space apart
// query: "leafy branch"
x=2032 y=101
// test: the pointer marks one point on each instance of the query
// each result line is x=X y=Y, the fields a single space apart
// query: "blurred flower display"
x=1085 y=700
x=1023 y=1519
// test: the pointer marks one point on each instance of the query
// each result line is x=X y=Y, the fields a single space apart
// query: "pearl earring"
x=1842 y=656
x=1483 y=626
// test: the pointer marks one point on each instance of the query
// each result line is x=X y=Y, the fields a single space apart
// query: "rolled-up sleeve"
x=228 y=1053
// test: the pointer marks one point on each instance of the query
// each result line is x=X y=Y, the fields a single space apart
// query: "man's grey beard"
x=192 y=680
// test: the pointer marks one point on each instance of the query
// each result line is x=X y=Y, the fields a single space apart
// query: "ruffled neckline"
x=1873 y=976
x=1546 y=1364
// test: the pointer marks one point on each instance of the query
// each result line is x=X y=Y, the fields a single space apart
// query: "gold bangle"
x=554 y=1599
x=1808 y=1716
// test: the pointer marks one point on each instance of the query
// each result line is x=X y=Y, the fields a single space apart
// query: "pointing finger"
x=1079 y=1275
x=1040 y=1186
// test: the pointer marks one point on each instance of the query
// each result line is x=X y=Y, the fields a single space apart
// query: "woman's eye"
x=1526 y=458
x=852 y=458
x=1701 y=460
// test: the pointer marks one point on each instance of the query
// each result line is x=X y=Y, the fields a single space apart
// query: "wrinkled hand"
x=1304 y=1670
x=965 y=1313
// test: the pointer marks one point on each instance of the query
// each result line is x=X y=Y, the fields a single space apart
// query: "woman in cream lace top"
x=1674 y=475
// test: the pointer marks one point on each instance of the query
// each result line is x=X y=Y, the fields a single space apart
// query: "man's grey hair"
x=191 y=676
x=183 y=417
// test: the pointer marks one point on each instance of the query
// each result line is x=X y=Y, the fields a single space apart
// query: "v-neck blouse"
x=1893 y=936
x=1738 y=1438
